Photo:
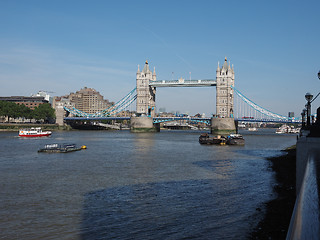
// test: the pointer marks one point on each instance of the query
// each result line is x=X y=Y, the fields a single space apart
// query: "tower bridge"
x=231 y=104
x=147 y=83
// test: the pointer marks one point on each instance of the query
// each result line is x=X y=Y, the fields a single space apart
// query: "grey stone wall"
x=305 y=145
x=223 y=126
x=142 y=124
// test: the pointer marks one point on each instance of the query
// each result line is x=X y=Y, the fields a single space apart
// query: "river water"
x=135 y=186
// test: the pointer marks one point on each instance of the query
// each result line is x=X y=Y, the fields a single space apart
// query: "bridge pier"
x=143 y=124
x=223 y=126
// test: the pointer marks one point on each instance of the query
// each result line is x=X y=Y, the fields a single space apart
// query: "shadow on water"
x=188 y=209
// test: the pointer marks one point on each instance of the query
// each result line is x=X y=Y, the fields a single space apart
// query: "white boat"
x=33 y=132
x=287 y=129
x=252 y=129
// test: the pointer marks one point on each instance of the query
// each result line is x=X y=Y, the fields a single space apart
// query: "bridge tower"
x=224 y=93
x=224 y=123
x=146 y=95
x=146 y=102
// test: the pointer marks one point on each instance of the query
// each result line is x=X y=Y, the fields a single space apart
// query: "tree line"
x=12 y=110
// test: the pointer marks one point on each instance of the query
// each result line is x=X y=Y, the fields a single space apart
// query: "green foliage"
x=12 y=110
x=43 y=111
x=9 y=109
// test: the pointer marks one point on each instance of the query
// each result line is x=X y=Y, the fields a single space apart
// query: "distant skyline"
x=63 y=46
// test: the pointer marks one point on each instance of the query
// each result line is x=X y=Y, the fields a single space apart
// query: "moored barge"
x=232 y=139
x=235 y=139
x=206 y=139
x=61 y=148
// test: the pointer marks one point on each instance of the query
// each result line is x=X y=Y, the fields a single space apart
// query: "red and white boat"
x=33 y=132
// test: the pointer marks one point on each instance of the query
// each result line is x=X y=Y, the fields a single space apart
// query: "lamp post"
x=308 y=97
x=303 y=117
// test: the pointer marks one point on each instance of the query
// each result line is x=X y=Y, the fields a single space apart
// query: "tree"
x=25 y=112
x=44 y=111
x=9 y=109
x=13 y=110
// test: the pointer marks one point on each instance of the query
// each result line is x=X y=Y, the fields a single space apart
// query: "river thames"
x=135 y=186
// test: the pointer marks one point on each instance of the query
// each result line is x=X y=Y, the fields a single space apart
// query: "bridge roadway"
x=168 y=119
x=267 y=120
x=183 y=83
x=155 y=120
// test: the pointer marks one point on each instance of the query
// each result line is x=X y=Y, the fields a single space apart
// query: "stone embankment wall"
x=15 y=127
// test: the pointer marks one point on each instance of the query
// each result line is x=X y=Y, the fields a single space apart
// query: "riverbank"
x=4 y=127
x=278 y=211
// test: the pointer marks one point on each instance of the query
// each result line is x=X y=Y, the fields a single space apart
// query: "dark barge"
x=232 y=139
x=206 y=139
x=235 y=139
x=61 y=148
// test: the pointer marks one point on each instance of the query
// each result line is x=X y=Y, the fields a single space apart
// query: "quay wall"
x=305 y=145
x=15 y=126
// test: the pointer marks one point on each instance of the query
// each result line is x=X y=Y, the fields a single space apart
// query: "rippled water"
x=134 y=186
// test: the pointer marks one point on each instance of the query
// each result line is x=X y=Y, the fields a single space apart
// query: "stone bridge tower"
x=146 y=95
x=223 y=123
x=224 y=98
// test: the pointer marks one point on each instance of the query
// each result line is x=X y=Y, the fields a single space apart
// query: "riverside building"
x=30 y=102
x=89 y=100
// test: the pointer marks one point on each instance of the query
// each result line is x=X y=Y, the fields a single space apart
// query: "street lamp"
x=308 y=97
x=303 y=117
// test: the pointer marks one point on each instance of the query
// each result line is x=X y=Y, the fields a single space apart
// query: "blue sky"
x=62 y=46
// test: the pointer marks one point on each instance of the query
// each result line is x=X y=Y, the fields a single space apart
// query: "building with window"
x=30 y=102
x=89 y=100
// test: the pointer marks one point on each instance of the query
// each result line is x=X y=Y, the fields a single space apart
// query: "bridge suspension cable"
x=245 y=108
x=119 y=106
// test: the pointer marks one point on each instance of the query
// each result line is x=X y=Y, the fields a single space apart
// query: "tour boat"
x=33 y=132
x=61 y=148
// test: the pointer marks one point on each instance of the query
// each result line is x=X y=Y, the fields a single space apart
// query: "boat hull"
x=206 y=139
x=235 y=142
x=35 y=135
x=59 y=150
x=34 y=132
x=232 y=139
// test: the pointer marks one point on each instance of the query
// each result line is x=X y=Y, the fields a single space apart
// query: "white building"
x=43 y=94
